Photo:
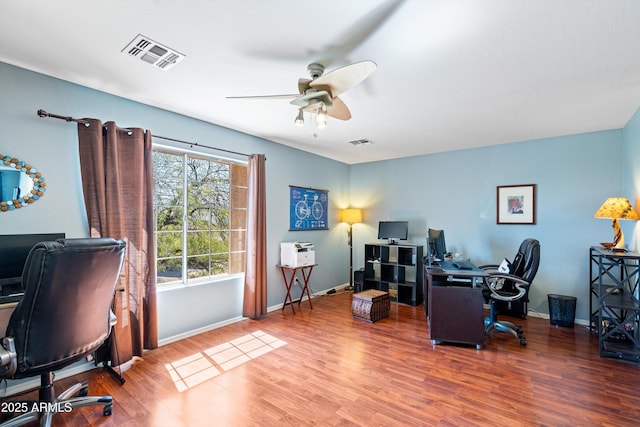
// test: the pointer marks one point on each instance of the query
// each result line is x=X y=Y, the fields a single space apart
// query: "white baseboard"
x=214 y=326
x=326 y=291
x=23 y=385
x=199 y=331
x=531 y=313
x=323 y=292
x=27 y=384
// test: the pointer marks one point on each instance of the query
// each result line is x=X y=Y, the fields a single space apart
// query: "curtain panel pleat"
x=255 y=281
x=117 y=181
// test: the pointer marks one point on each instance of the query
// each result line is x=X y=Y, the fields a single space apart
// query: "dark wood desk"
x=454 y=305
x=288 y=282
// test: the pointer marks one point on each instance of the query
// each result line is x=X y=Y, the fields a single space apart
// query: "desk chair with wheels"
x=511 y=286
x=64 y=316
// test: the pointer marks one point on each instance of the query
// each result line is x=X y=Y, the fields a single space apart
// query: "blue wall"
x=631 y=174
x=51 y=146
x=455 y=191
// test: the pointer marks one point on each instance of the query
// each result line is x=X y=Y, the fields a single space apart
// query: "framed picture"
x=516 y=204
x=308 y=208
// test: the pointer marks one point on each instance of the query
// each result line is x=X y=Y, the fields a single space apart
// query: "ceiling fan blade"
x=338 y=49
x=357 y=33
x=294 y=95
x=341 y=79
x=303 y=85
x=339 y=110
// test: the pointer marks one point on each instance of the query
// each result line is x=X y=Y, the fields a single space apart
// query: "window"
x=200 y=207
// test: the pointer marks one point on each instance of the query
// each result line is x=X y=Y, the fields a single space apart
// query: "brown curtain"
x=255 y=276
x=117 y=181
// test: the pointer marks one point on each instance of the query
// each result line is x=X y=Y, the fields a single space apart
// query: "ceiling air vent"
x=154 y=53
x=361 y=142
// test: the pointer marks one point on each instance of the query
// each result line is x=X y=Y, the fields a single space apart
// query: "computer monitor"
x=393 y=230
x=436 y=244
x=14 y=249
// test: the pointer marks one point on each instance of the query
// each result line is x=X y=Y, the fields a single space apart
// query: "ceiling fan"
x=319 y=94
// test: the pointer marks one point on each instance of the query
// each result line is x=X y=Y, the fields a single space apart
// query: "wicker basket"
x=371 y=305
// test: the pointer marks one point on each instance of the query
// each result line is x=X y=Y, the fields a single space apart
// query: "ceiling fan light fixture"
x=319 y=96
x=321 y=117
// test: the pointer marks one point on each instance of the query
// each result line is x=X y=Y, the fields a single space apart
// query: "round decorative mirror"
x=20 y=184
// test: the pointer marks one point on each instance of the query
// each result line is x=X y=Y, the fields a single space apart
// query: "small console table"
x=454 y=305
x=292 y=273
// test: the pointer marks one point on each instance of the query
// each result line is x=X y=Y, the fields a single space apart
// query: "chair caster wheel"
x=108 y=410
x=523 y=342
x=83 y=391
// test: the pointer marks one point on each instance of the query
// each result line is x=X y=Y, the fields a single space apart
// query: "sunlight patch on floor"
x=205 y=365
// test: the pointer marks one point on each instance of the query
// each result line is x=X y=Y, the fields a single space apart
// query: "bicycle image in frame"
x=307 y=208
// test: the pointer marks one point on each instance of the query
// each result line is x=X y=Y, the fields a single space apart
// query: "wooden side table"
x=288 y=276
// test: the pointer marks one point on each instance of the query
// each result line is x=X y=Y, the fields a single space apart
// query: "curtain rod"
x=195 y=144
x=43 y=113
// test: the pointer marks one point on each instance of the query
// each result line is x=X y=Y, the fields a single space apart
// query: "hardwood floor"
x=321 y=367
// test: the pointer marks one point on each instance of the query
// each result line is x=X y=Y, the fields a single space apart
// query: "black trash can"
x=562 y=310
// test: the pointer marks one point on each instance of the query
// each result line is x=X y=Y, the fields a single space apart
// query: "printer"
x=297 y=254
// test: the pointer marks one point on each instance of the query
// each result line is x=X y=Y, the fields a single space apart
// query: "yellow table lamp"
x=616 y=208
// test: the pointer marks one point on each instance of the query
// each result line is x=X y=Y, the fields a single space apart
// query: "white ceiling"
x=451 y=74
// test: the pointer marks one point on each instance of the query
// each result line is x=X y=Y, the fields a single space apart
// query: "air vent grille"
x=149 y=51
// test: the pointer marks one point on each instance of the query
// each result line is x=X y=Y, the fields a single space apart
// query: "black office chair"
x=512 y=286
x=64 y=316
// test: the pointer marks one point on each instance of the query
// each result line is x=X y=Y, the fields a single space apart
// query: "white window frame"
x=185 y=281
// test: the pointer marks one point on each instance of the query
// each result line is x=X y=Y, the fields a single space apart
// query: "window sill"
x=198 y=282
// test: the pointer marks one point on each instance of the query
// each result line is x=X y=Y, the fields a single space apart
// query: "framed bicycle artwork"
x=308 y=208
